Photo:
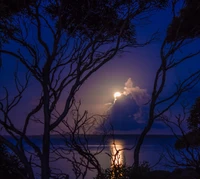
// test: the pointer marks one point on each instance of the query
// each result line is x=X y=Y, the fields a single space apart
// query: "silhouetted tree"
x=60 y=50
x=186 y=22
x=10 y=165
x=191 y=137
x=170 y=58
x=193 y=120
x=9 y=8
x=187 y=153
x=8 y=11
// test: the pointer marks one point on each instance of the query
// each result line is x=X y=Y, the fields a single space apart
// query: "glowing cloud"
x=138 y=94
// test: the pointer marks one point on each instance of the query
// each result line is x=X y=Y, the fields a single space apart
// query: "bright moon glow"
x=117 y=94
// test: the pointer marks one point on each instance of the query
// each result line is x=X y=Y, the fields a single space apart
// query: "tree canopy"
x=193 y=120
x=186 y=22
x=10 y=165
x=8 y=10
x=60 y=44
x=11 y=7
x=192 y=138
x=90 y=17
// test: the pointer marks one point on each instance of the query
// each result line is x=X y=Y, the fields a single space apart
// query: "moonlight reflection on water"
x=117 y=153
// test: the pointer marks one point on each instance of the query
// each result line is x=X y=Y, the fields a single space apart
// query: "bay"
x=153 y=148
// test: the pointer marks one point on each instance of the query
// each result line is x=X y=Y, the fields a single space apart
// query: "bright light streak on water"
x=117 y=153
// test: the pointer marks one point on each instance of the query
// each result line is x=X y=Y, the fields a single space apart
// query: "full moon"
x=117 y=94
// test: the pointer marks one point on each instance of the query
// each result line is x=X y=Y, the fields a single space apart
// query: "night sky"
x=136 y=68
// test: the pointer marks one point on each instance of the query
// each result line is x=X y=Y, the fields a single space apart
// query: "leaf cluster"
x=103 y=18
x=8 y=10
x=10 y=165
x=193 y=120
x=126 y=172
x=186 y=24
x=192 y=138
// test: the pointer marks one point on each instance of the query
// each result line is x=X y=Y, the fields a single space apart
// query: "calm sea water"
x=152 y=149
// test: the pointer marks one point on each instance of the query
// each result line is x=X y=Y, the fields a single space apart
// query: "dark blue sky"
x=139 y=64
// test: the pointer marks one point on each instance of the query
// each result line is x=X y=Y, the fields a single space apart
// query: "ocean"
x=152 y=150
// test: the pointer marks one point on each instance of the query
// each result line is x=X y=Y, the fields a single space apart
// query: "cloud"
x=129 y=112
x=138 y=94
x=123 y=115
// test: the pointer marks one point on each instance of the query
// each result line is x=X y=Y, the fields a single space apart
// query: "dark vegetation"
x=8 y=11
x=186 y=22
x=10 y=165
x=97 y=12
x=191 y=138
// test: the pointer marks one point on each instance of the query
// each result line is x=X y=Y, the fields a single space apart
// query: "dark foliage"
x=187 y=24
x=9 y=9
x=10 y=166
x=103 y=18
x=89 y=17
x=126 y=172
x=192 y=138
x=142 y=172
x=194 y=119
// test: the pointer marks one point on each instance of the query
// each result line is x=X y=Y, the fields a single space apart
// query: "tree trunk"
x=140 y=142
x=45 y=170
